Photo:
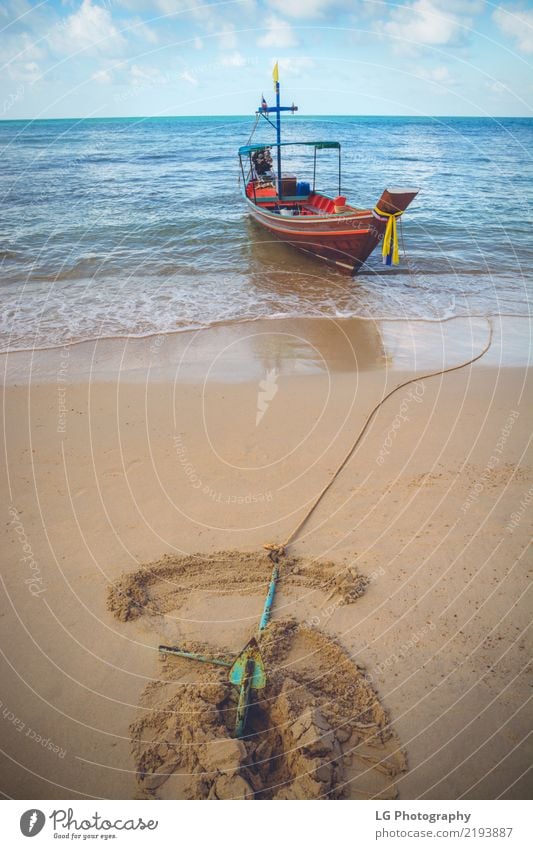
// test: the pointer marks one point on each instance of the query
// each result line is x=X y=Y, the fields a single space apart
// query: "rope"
x=276 y=551
x=254 y=128
x=257 y=116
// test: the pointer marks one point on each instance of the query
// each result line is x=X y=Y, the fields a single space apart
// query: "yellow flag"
x=275 y=75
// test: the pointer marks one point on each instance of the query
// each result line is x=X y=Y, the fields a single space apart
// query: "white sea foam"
x=142 y=230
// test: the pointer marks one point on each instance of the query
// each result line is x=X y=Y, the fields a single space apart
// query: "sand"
x=121 y=453
x=167 y=584
x=316 y=731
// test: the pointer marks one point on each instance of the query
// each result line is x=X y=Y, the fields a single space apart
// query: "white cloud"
x=227 y=38
x=198 y=43
x=234 y=60
x=16 y=11
x=497 y=87
x=188 y=77
x=517 y=24
x=440 y=75
x=166 y=7
x=139 y=28
x=279 y=34
x=145 y=75
x=428 y=22
x=102 y=76
x=22 y=57
x=309 y=8
x=21 y=47
x=294 y=66
x=199 y=9
x=89 y=29
x=26 y=72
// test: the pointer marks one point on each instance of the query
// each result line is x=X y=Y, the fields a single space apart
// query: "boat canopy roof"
x=319 y=145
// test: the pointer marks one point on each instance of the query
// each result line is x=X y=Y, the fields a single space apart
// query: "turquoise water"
x=135 y=226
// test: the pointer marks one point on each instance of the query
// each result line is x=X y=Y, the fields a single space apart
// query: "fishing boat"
x=295 y=211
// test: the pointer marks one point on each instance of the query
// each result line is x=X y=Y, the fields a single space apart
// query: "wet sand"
x=121 y=451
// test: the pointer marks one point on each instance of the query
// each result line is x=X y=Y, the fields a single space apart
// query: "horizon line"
x=249 y=115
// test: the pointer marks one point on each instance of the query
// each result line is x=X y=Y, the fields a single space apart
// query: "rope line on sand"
x=277 y=550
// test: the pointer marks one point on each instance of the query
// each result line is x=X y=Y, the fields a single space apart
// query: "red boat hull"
x=345 y=240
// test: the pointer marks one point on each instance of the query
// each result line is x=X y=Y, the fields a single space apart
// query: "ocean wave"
x=138 y=227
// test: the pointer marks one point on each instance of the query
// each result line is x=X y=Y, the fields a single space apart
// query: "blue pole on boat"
x=269 y=599
x=278 y=138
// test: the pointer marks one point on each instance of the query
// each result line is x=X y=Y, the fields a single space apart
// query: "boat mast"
x=278 y=139
x=265 y=111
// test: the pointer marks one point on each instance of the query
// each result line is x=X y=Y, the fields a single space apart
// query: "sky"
x=105 y=58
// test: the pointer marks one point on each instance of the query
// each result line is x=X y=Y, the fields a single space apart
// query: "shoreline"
x=228 y=323
x=118 y=455
x=348 y=343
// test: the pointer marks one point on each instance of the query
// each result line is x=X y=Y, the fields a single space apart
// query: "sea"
x=137 y=226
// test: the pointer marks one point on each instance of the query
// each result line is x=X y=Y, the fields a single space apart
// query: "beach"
x=119 y=451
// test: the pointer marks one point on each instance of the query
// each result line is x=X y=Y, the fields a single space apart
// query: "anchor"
x=248 y=673
x=247 y=670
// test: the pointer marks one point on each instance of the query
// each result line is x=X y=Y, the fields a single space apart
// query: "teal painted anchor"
x=248 y=673
x=247 y=670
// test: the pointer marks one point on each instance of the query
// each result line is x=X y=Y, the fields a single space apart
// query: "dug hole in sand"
x=318 y=729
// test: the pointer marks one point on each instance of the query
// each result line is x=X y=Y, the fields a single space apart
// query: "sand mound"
x=164 y=585
x=317 y=730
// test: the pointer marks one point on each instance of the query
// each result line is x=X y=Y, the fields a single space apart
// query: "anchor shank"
x=269 y=599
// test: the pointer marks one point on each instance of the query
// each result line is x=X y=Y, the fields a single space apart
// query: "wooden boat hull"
x=344 y=240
